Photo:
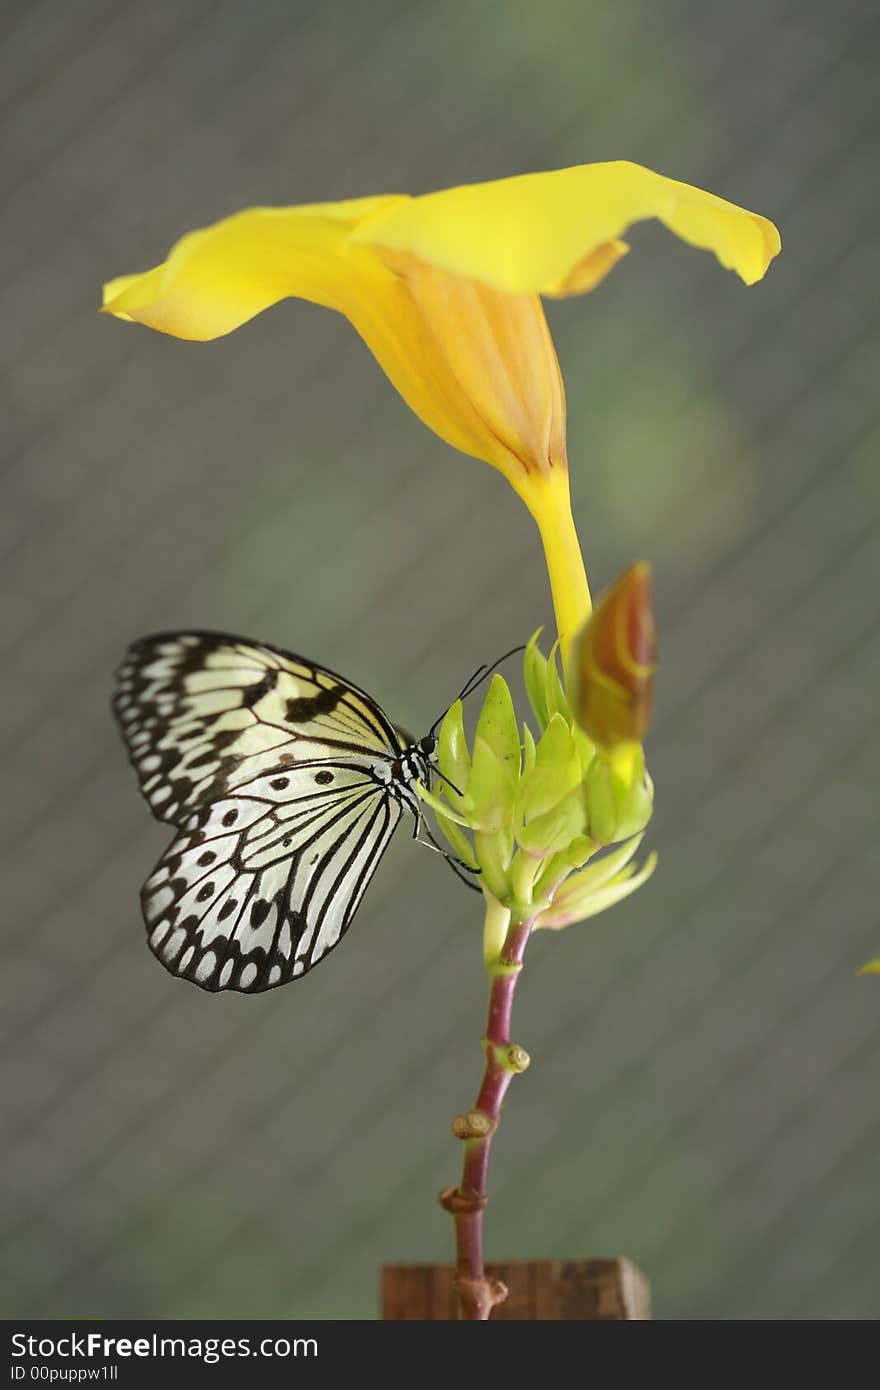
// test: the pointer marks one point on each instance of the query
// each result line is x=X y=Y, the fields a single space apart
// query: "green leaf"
x=618 y=808
x=601 y=871
x=556 y=771
x=491 y=789
x=557 y=868
x=524 y=869
x=567 y=909
x=457 y=839
x=634 y=803
x=497 y=724
x=534 y=674
x=438 y=807
x=555 y=748
x=586 y=748
x=600 y=805
x=528 y=750
x=453 y=758
x=554 y=694
x=557 y=828
x=494 y=853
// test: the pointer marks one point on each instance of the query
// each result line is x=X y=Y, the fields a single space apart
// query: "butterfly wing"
x=262 y=884
x=265 y=763
x=203 y=713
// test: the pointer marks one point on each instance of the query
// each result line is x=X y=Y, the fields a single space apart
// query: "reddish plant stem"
x=477 y=1294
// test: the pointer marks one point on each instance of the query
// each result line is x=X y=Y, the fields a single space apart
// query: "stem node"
x=517 y=1058
x=479 y=1296
x=462 y=1203
x=474 y=1125
x=505 y=968
x=508 y=1056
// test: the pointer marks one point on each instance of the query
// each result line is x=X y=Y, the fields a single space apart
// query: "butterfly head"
x=416 y=762
x=428 y=745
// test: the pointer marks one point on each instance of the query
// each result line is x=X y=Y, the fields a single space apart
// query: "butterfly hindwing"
x=263 y=884
x=277 y=774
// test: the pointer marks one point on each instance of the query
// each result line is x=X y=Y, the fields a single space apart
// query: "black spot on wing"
x=264 y=686
x=259 y=912
x=183 y=786
x=309 y=706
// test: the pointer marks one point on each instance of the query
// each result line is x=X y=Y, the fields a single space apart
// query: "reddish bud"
x=614 y=658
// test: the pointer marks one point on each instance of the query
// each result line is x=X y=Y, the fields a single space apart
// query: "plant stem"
x=477 y=1294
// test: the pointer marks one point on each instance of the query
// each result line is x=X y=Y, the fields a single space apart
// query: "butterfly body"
x=285 y=783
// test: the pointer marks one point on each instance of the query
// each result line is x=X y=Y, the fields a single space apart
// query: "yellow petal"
x=216 y=279
x=487 y=358
x=530 y=233
x=587 y=274
x=476 y=365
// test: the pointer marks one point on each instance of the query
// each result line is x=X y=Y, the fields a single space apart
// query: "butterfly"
x=285 y=784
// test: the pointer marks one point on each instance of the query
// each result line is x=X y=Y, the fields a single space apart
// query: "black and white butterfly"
x=285 y=783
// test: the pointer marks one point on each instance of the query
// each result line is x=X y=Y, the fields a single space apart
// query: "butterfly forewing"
x=278 y=775
x=204 y=713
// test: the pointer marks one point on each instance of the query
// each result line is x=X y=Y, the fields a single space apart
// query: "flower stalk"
x=548 y=499
x=477 y=1293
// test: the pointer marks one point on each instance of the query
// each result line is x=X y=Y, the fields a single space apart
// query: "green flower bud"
x=613 y=661
x=491 y=790
x=556 y=771
x=537 y=812
x=457 y=839
x=555 y=829
x=554 y=693
x=597 y=887
x=497 y=724
x=535 y=676
x=524 y=869
x=619 y=794
x=453 y=758
x=557 y=868
x=599 y=802
x=635 y=805
x=494 y=854
x=584 y=746
x=529 y=752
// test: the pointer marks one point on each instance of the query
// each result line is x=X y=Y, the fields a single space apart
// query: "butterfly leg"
x=455 y=863
x=413 y=804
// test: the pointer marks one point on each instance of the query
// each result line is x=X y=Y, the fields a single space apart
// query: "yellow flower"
x=445 y=290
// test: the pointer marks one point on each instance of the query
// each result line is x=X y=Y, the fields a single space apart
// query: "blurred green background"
x=704 y=1089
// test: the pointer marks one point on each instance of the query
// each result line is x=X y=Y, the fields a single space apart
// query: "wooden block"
x=538 y=1290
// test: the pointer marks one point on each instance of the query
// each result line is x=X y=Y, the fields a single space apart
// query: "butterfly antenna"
x=472 y=682
x=481 y=674
x=447 y=780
